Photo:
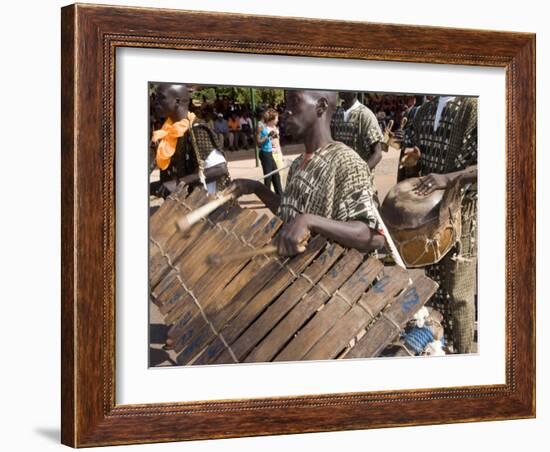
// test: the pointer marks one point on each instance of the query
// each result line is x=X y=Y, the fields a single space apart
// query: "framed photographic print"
x=268 y=233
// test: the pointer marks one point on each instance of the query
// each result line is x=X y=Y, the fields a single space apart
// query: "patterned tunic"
x=335 y=184
x=359 y=132
x=199 y=142
x=452 y=147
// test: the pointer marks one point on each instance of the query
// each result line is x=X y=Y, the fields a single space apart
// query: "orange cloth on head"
x=168 y=136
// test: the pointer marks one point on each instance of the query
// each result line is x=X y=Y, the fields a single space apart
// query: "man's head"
x=307 y=109
x=348 y=98
x=171 y=101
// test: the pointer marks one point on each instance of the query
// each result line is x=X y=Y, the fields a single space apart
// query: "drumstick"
x=278 y=170
x=193 y=217
x=393 y=249
x=219 y=258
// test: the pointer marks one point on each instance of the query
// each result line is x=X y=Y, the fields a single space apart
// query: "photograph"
x=292 y=224
x=273 y=223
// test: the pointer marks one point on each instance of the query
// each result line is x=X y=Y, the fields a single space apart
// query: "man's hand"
x=243 y=187
x=294 y=235
x=410 y=157
x=431 y=182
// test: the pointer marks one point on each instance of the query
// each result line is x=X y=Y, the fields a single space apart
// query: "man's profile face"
x=300 y=112
x=170 y=98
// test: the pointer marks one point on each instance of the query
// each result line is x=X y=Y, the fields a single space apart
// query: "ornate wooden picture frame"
x=90 y=37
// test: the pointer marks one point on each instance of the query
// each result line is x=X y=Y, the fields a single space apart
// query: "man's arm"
x=215 y=172
x=375 y=156
x=248 y=186
x=351 y=234
x=433 y=181
x=372 y=137
x=211 y=174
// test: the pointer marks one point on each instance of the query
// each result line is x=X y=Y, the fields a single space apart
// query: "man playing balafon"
x=329 y=189
x=187 y=151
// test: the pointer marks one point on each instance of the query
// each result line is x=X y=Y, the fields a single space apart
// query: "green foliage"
x=269 y=96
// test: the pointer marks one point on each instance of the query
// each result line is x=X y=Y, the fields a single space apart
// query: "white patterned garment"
x=358 y=128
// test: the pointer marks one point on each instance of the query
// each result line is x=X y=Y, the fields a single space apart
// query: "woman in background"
x=264 y=138
x=276 y=150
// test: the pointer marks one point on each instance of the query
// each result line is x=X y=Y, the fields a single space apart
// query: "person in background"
x=264 y=139
x=247 y=129
x=186 y=150
x=355 y=125
x=209 y=120
x=443 y=135
x=276 y=150
x=235 y=133
x=221 y=130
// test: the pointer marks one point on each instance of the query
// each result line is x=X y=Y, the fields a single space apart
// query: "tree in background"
x=240 y=95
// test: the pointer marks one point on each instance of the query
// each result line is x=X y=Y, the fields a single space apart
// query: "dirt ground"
x=242 y=164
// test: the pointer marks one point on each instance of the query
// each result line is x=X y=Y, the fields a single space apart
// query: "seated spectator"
x=235 y=134
x=221 y=130
x=247 y=129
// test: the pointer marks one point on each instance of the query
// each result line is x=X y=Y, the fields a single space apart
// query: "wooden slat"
x=203 y=274
x=168 y=226
x=242 y=278
x=199 y=249
x=167 y=209
x=340 y=335
x=236 y=288
x=160 y=278
x=163 y=221
x=341 y=302
x=402 y=310
x=201 y=233
x=195 y=266
x=184 y=330
x=391 y=281
x=232 y=299
x=272 y=289
x=286 y=301
x=279 y=336
x=176 y=244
